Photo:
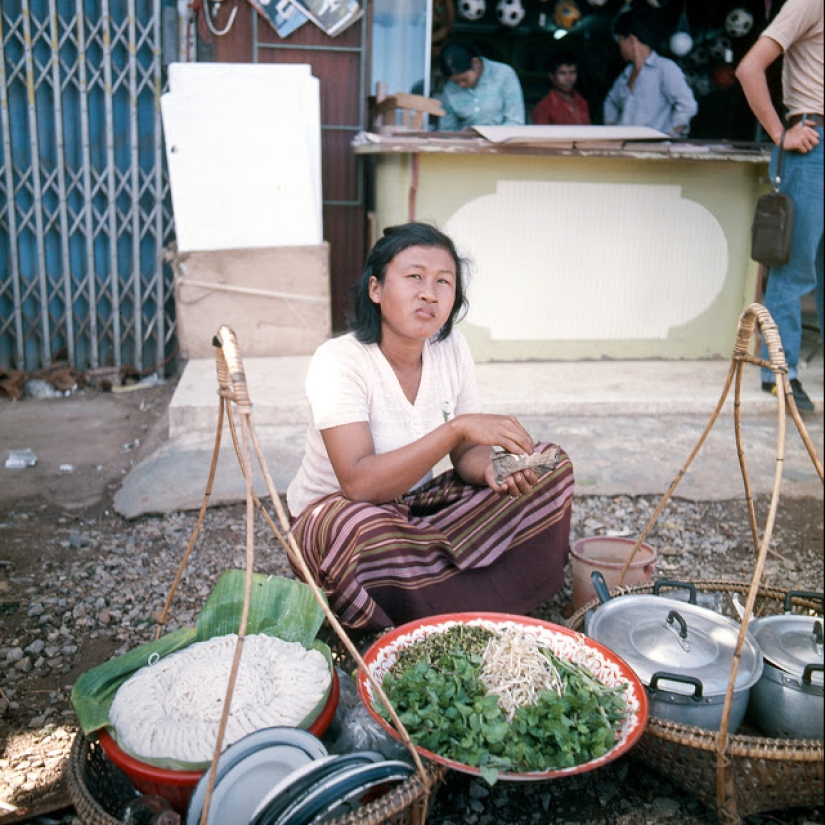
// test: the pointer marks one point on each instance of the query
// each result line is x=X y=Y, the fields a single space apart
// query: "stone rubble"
x=102 y=586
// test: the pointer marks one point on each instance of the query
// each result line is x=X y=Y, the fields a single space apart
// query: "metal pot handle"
x=691 y=588
x=674 y=677
x=801 y=594
x=674 y=616
x=809 y=669
x=600 y=586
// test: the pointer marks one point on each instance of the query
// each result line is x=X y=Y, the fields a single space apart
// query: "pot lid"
x=791 y=642
x=655 y=633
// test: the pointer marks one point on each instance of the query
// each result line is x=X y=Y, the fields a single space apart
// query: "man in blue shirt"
x=651 y=90
x=478 y=91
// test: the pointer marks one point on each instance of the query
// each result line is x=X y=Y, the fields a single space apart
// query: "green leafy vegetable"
x=436 y=687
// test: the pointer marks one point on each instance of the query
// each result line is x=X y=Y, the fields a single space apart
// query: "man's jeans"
x=802 y=180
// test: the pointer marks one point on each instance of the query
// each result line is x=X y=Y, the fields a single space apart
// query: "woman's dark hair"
x=457 y=58
x=365 y=320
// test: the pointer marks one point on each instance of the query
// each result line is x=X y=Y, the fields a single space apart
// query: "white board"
x=243 y=146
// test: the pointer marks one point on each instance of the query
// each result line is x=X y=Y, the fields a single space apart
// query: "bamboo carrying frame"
x=741 y=775
x=406 y=803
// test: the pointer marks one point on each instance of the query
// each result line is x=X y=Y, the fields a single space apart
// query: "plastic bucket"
x=608 y=554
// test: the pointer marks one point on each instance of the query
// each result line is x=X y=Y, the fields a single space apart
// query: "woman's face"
x=468 y=79
x=418 y=292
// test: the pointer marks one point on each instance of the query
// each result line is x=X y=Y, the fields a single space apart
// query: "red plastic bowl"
x=176 y=787
x=610 y=669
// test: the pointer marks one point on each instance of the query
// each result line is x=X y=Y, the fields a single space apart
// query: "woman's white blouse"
x=348 y=382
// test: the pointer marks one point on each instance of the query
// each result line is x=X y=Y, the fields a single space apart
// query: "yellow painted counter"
x=625 y=250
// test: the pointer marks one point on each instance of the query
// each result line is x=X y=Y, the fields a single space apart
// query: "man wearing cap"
x=796 y=33
x=651 y=90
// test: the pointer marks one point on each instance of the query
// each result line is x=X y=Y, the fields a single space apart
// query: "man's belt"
x=817 y=120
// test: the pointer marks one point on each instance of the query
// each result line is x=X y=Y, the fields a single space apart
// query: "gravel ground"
x=75 y=591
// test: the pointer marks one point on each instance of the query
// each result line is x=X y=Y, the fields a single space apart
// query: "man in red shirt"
x=563 y=104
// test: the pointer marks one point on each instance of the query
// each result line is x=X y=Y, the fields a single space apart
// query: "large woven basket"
x=737 y=774
x=765 y=774
x=99 y=790
x=96 y=786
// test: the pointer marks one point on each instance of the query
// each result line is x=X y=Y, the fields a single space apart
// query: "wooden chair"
x=404 y=112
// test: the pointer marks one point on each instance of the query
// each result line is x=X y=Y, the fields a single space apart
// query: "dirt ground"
x=84 y=443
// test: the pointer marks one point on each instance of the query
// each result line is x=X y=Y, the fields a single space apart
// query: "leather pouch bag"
x=772 y=227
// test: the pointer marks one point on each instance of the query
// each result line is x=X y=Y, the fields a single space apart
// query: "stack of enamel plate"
x=329 y=788
x=284 y=776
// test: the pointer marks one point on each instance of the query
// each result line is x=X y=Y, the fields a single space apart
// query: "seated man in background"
x=478 y=91
x=651 y=90
x=562 y=104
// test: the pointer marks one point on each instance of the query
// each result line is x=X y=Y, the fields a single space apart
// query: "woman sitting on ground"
x=384 y=539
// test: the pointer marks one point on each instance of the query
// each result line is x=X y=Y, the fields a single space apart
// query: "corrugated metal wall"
x=84 y=206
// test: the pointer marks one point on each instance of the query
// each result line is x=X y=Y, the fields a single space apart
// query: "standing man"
x=478 y=91
x=796 y=33
x=651 y=90
x=562 y=104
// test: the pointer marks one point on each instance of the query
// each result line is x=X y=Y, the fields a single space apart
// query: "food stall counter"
x=584 y=242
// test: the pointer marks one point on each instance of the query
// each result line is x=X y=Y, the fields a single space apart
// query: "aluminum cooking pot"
x=787 y=702
x=682 y=653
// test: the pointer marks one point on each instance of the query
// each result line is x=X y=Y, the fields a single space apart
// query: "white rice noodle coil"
x=171 y=709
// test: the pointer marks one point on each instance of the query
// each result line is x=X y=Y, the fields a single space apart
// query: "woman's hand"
x=504 y=431
x=472 y=457
x=515 y=486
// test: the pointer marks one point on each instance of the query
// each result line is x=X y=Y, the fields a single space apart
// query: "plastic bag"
x=353 y=729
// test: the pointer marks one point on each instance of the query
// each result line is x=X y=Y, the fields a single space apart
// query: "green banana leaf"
x=279 y=607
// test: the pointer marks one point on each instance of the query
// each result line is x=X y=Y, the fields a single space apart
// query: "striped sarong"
x=445 y=547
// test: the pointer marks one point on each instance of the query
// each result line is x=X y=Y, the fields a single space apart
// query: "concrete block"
x=277 y=300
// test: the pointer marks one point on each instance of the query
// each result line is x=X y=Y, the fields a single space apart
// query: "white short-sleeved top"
x=348 y=382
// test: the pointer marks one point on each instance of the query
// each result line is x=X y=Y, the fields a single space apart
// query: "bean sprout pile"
x=515 y=670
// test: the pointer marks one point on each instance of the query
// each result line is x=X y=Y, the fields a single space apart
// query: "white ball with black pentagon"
x=510 y=12
x=738 y=22
x=472 y=9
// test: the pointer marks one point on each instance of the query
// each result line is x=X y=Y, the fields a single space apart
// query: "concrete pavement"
x=629 y=427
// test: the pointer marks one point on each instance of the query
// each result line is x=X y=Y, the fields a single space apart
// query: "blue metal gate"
x=84 y=206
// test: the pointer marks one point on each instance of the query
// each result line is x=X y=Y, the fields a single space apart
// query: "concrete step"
x=629 y=427
x=531 y=389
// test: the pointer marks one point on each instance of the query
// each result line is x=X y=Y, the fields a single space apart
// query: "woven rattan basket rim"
x=400 y=798
x=87 y=807
x=739 y=745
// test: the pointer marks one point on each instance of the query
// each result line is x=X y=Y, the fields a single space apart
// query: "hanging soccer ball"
x=680 y=43
x=566 y=15
x=472 y=9
x=738 y=22
x=702 y=85
x=510 y=12
x=719 y=48
x=699 y=56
